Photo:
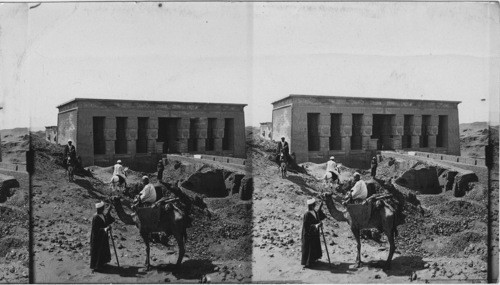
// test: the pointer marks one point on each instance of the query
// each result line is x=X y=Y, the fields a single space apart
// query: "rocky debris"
x=461 y=184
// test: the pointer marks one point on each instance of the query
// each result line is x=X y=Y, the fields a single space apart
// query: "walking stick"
x=326 y=247
x=113 y=242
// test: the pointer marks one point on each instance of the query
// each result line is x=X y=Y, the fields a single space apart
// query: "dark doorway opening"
x=442 y=136
x=211 y=129
x=356 y=141
x=382 y=131
x=121 y=135
x=168 y=134
x=406 y=140
x=228 y=141
x=424 y=138
x=313 y=131
x=335 y=131
x=193 y=139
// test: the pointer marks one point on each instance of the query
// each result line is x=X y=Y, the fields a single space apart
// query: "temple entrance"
x=382 y=131
x=168 y=134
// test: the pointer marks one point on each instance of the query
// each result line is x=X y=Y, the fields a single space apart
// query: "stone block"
x=324 y=131
x=366 y=130
x=158 y=147
x=182 y=144
x=396 y=142
x=219 y=133
x=432 y=130
x=218 y=144
x=397 y=131
x=432 y=141
x=397 y=120
x=415 y=142
x=153 y=123
x=346 y=130
x=184 y=123
x=415 y=130
x=110 y=147
x=131 y=134
x=201 y=133
x=131 y=146
x=324 y=143
x=480 y=162
x=110 y=134
x=201 y=145
x=110 y=123
x=132 y=123
x=152 y=134
x=183 y=134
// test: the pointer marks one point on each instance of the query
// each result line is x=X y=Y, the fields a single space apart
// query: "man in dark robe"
x=100 y=253
x=311 y=244
x=69 y=152
x=160 y=167
x=283 y=148
x=373 y=166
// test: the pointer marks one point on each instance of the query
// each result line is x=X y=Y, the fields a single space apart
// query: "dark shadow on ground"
x=124 y=271
x=400 y=266
x=189 y=269
x=342 y=267
x=301 y=183
x=90 y=188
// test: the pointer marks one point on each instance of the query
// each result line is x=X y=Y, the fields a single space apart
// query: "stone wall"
x=265 y=130
x=110 y=110
x=297 y=108
x=51 y=134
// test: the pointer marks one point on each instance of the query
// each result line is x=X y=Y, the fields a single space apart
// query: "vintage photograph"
x=249 y=142
x=14 y=144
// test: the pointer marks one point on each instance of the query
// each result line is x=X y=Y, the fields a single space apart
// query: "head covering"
x=119 y=161
x=357 y=174
x=70 y=141
x=311 y=201
x=99 y=205
x=282 y=138
x=332 y=157
x=145 y=178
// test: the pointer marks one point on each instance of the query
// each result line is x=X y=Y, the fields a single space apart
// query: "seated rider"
x=118 y=171
x=147 y=196
x=331 y=166
x=284 y=149
x=359 y=192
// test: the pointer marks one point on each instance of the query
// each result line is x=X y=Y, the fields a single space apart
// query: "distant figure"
x=69 y=150
x=160 y=167
x=120 y=173
x=359 y=192
x=373 y=166
x=332 y=169
x=99 y=238
x=311 y=244
x=148 y=194
x=283 y=148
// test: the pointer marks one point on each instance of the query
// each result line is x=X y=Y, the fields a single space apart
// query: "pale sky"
x=253 y=53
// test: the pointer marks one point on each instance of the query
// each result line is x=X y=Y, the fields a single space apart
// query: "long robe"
x=100 y=253
x=311 y=244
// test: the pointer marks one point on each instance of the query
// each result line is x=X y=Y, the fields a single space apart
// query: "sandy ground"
x=278 y=208
x=62 y=221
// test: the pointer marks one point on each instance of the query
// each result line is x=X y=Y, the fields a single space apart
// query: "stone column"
x=397 y=130
x=202 y=133
x=219 y=134
x=183 y=134
x=110 y=134
x=324 y=133
x=416 y=131
x=432 y=131
x=152 y=134
x=366 y=131
x=346 y=132
x=131 y=135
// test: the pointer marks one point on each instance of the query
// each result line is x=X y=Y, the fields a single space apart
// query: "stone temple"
x=139 y=132
x=352 y=128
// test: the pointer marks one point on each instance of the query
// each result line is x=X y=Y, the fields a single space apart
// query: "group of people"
x=312 y=219
x=100 y=253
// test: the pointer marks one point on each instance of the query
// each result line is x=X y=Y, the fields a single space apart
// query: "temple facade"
x=138 y=132
x=353 y=129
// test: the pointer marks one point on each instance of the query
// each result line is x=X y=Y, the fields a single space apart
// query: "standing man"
x=311 y=244
x=160 y=167
x=120 y=172
x=69 y=151
x=147 y=196
x=359 y=192
x=99 y=238
x=373 y=166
